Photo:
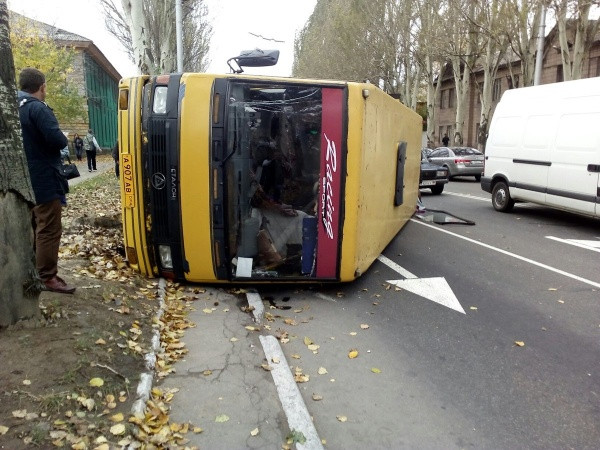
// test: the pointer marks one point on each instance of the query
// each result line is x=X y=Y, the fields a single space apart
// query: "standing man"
x=445 y=140
x=90 y=145
x=42 y=141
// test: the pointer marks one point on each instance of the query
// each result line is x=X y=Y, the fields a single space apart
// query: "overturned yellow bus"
x=229 y=178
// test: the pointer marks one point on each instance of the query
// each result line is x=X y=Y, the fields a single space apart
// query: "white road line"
x=392 y=265
x=513 y=255
x=472 y=197
x=574 y=242
x=291 y=400
x=255 y=301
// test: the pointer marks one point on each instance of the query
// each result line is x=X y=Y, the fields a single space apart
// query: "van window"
x=506 y=131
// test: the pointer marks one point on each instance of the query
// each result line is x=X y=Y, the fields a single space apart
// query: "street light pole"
x=537 y=75
x=179 y=33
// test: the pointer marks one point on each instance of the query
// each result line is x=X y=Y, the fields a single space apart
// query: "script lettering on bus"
x=327 y=208
x=128 y=188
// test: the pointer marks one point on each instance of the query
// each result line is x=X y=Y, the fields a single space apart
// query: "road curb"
x=145 y=384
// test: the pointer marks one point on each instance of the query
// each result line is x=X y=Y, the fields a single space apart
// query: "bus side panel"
x=195 y=122
x=132 y=202
x=386 y=123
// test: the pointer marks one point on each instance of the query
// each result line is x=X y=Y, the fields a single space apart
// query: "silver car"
x=459 y=160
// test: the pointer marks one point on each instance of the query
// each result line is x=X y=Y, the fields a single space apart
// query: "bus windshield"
x=272 y=178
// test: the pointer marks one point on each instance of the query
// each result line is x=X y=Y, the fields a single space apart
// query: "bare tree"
x=146 y=28
x=576 y=33
x=19 y=284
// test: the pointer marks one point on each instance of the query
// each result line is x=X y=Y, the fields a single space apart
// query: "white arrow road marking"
x=588 y=245
x=434 y=289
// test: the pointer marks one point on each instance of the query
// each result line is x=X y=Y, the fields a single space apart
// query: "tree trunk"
x=19 y=283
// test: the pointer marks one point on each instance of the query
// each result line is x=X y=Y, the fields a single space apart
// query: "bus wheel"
x=501 y=197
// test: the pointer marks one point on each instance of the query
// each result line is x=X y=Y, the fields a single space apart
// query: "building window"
x=451 y=96
x=559 y=73
x=443 y=99
x=497 y=89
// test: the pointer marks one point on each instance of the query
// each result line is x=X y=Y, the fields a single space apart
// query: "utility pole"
x=179 y=33
x=537 y=75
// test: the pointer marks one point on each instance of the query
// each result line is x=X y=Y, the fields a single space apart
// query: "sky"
x=235 y=22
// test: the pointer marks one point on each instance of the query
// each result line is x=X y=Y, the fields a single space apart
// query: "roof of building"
x=68 y=39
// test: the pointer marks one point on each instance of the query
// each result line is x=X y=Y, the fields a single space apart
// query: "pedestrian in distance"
x=78 y=144
x=90 y=144
x=115 y=155
x=445 y=140
x=43 y=141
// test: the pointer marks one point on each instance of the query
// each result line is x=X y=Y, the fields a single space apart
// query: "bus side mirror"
x=254 y=58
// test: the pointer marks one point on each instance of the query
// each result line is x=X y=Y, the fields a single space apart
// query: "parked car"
x=459 y=160
x=432 y=175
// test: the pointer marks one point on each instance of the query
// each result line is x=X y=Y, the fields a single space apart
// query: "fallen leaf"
x=197 y=430
x=102 y=446
x=364 y=326
x=222 y=418
x=375 y=370
x=317 y=397
x=561 y=301
x=207 y=373
x=96 y=382
x=353 y=333
x=266 y=367
x=207 y=311
x=474 y=308
x=314 y=347
x=296 y=356
x=552 y=289
x=3 y=430
x=254 y=432
x=26 y=382
x=322 y=371
x=353 y=354
x=118 y=429
x=233 y=339
x=19 y=413
x=342 y=418
x=520 y=343
x=307 y=341
x=275 y=360
x=117 y=417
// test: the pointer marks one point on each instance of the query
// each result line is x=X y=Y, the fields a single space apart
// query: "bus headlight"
x=166 y=261
x=159 y=106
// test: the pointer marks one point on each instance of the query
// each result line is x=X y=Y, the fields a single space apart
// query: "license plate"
x=427 y=183
x=128 y=179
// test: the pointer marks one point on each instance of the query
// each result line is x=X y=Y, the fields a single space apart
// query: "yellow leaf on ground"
x=3 y=430
x=207 y=311
x=254 y=432
x=322 y=371
x=353 y=354
x=308 y=341
x=317 y=397
x=19 y=413
x=375 y=370
x=520 y=343
x=197 y=430
x=118 y=429
x=313 y=347
x=222 y=418
x=26 y=382
x=102 y=446
x=117 y=417
x=364 y=326
x=342 y=418
x=96 y=382
x=296 y=356
x=353 y=333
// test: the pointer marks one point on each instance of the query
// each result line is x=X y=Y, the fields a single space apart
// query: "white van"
x=544 y=147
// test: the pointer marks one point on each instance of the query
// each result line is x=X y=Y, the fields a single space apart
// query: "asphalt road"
x=427 y=376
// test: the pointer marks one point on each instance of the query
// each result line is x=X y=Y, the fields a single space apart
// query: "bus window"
x=272 y=178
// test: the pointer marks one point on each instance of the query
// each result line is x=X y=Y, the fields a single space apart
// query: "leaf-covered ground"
x=69 y=379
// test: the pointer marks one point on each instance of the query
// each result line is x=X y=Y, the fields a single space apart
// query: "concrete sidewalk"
x=104 y=163
x=222 y=376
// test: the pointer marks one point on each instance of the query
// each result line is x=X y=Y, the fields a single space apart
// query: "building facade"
x=95 y=77
x=552 y=72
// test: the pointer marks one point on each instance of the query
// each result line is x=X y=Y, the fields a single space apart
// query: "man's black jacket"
x=42 y=140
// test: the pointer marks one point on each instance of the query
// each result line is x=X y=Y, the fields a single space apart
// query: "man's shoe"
x=57 y=284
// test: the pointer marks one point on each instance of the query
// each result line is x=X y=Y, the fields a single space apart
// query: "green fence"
x=102 y=92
